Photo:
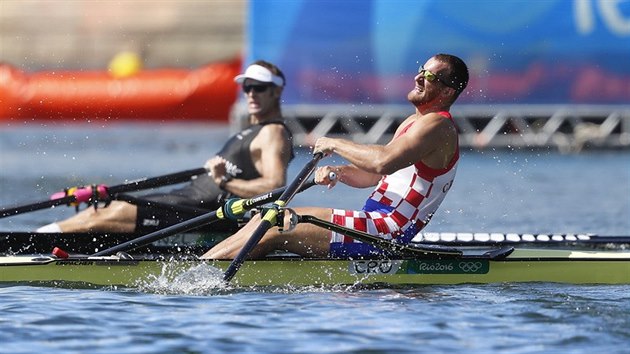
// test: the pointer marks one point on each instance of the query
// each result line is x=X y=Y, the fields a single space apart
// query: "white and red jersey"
x=402 y=203
x=414 y=193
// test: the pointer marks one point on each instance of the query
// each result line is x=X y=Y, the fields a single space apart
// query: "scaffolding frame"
x=567 y=128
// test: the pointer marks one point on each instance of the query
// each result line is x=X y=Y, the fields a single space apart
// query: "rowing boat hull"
x=88 y=243
x=199 y=241
x=522 y=265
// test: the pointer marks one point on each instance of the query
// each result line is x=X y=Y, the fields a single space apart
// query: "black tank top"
x=204 y=193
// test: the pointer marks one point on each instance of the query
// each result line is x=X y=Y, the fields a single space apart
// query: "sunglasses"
x=430 y=77
x=256 y=88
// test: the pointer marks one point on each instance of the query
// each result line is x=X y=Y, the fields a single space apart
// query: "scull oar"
x=232 y=209
x=85 y=194
x=381 y=243
x=269 y=218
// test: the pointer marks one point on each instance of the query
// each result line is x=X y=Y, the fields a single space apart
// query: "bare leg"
x=117 y=217
x=306 y=240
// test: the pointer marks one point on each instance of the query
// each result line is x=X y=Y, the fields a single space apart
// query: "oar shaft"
x=270 y=216
x=162 y=233
x=177 y=208
x=140 y=184
x=159 y=181
x=36 y=206
x=381 y=243
x=243 y=205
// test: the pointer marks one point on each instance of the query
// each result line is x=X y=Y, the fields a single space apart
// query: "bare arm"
x=346 y=174
x=429 y=139
x=271 y=151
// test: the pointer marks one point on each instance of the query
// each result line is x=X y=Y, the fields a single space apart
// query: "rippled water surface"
x=502 y=191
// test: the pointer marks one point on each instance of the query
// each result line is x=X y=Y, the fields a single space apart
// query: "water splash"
x=203 y=279
x=198 y=279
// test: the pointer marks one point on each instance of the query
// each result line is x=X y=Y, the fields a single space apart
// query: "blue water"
x=503 y=191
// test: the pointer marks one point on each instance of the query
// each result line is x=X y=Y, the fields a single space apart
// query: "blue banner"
x=368 y=51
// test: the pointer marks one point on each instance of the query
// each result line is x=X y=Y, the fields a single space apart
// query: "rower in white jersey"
x=412 y=174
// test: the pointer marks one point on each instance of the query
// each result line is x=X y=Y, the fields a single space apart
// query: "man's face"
x=261 y=96
x=429 y=83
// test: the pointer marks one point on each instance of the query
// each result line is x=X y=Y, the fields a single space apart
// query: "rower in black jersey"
x=203 y=192
x=251 y=163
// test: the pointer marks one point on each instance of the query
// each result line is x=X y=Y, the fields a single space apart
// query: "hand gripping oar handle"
x=63 y=199
x=232 y=208
x=269 y=218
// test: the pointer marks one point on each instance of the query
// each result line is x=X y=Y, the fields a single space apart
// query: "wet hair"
x=274 y=69
x=457 y=73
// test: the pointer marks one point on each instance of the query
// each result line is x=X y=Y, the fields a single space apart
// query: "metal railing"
x=569 y=128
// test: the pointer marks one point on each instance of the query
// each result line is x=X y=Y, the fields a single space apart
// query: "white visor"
x=259 y=73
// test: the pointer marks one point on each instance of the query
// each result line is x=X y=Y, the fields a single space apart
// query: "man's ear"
x=277 y=91
x=448 y=93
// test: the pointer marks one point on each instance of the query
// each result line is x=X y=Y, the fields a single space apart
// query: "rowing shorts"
x=376 y=222
x=150 y=219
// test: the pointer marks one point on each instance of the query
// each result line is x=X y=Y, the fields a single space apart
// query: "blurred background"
x=42 y=35
x=110 y=90
x=543 y=73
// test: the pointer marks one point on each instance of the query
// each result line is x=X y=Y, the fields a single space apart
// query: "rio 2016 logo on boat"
x=445 y=266
x=433 y=266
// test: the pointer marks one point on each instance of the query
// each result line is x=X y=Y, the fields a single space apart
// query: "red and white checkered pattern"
x=414 y=193
x=373 y=222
